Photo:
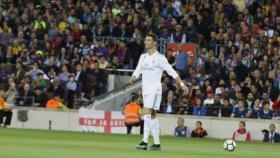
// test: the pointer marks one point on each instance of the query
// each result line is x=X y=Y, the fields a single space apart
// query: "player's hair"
x=272 y=125
x=241 y=101
x=134 y=97
x=265 y=102
x=243 y=122
x=153 y=36
x=181 y=118
x=199 y=122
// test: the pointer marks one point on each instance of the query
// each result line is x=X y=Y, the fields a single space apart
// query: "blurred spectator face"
x=57 y=97
x=102 y=59
x=198 y=102
x=250 y=96
x=64 y=68
x=257 y=74
x=115 y=60
x=240 y=104
x=18 y=66
x=38 y=91
x=178 y=28
x=181 y=122
x=198 y=124
x=189 y=23
x=63 y=50
x=266 y=106
x=265 y=96
x=83 y=39
x=123 y=26
x=40 y=76
x=226 y=103
x=213 y=34
x=237 y=37
x=253 y=89
x=79 y=68
x=217 y=98
x=239 y=95
x=169 y=52
x=166 y=79
x=71 y=78
x=257 y=103
x=222 y=82
x=272 y=128
x=210 y=95
x=2 y=92
x=232 y=75
x=237 y=88
x=241 y=126
x=248 y=80
x=268 y=83
x=26 y=87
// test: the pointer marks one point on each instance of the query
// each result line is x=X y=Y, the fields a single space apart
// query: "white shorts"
x=152 y=101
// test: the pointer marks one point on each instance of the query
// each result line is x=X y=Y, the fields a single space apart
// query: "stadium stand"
x=44 y=43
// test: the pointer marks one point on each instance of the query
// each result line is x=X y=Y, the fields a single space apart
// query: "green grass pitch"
x=19 y=143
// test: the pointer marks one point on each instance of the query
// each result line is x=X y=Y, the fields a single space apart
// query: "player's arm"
x=170 y=71
x=137 y=72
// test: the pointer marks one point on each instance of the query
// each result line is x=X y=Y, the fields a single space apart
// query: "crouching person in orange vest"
x=132 y=112
x=5 y=110
x=56 y=103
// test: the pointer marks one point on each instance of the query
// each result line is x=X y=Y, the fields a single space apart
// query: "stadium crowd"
x=53 y=49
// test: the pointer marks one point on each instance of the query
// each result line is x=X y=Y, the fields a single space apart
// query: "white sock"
x=155 y=130
x=169 y=108
x=147 y=128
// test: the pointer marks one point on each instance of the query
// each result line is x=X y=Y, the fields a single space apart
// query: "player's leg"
x=155 y=124
x=147 y=128
x=8 y=115
x=169 y=101
x=128 y=128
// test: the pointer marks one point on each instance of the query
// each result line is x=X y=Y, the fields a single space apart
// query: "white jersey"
x=151 y=67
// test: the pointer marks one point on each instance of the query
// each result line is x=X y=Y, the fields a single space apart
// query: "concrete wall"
x=117 y=99
x=117 y=81
x=38 y=118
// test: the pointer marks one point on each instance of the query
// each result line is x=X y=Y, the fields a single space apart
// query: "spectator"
x=64 y=75
x=256 y=110
x=40 y=81
x=199 y=109
x=56 y=103
x=181 y=129
x=56 y=88
x=271 y=135
x=198 y=132
x=241 y=134
x=181 y=60
x=240 y=111
x=103 y=64
x=250 y=101
x=71 y=86
x=209 y=101
x=132 y=112
x=178 y=36
x=11 y=93
x=5 y=111
x=265 y=99
x=26 y=96
x=266 y=112
x=276 y=106
x=40 y=97
x=19 y=72
x=115 y=64
x=226 y=110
